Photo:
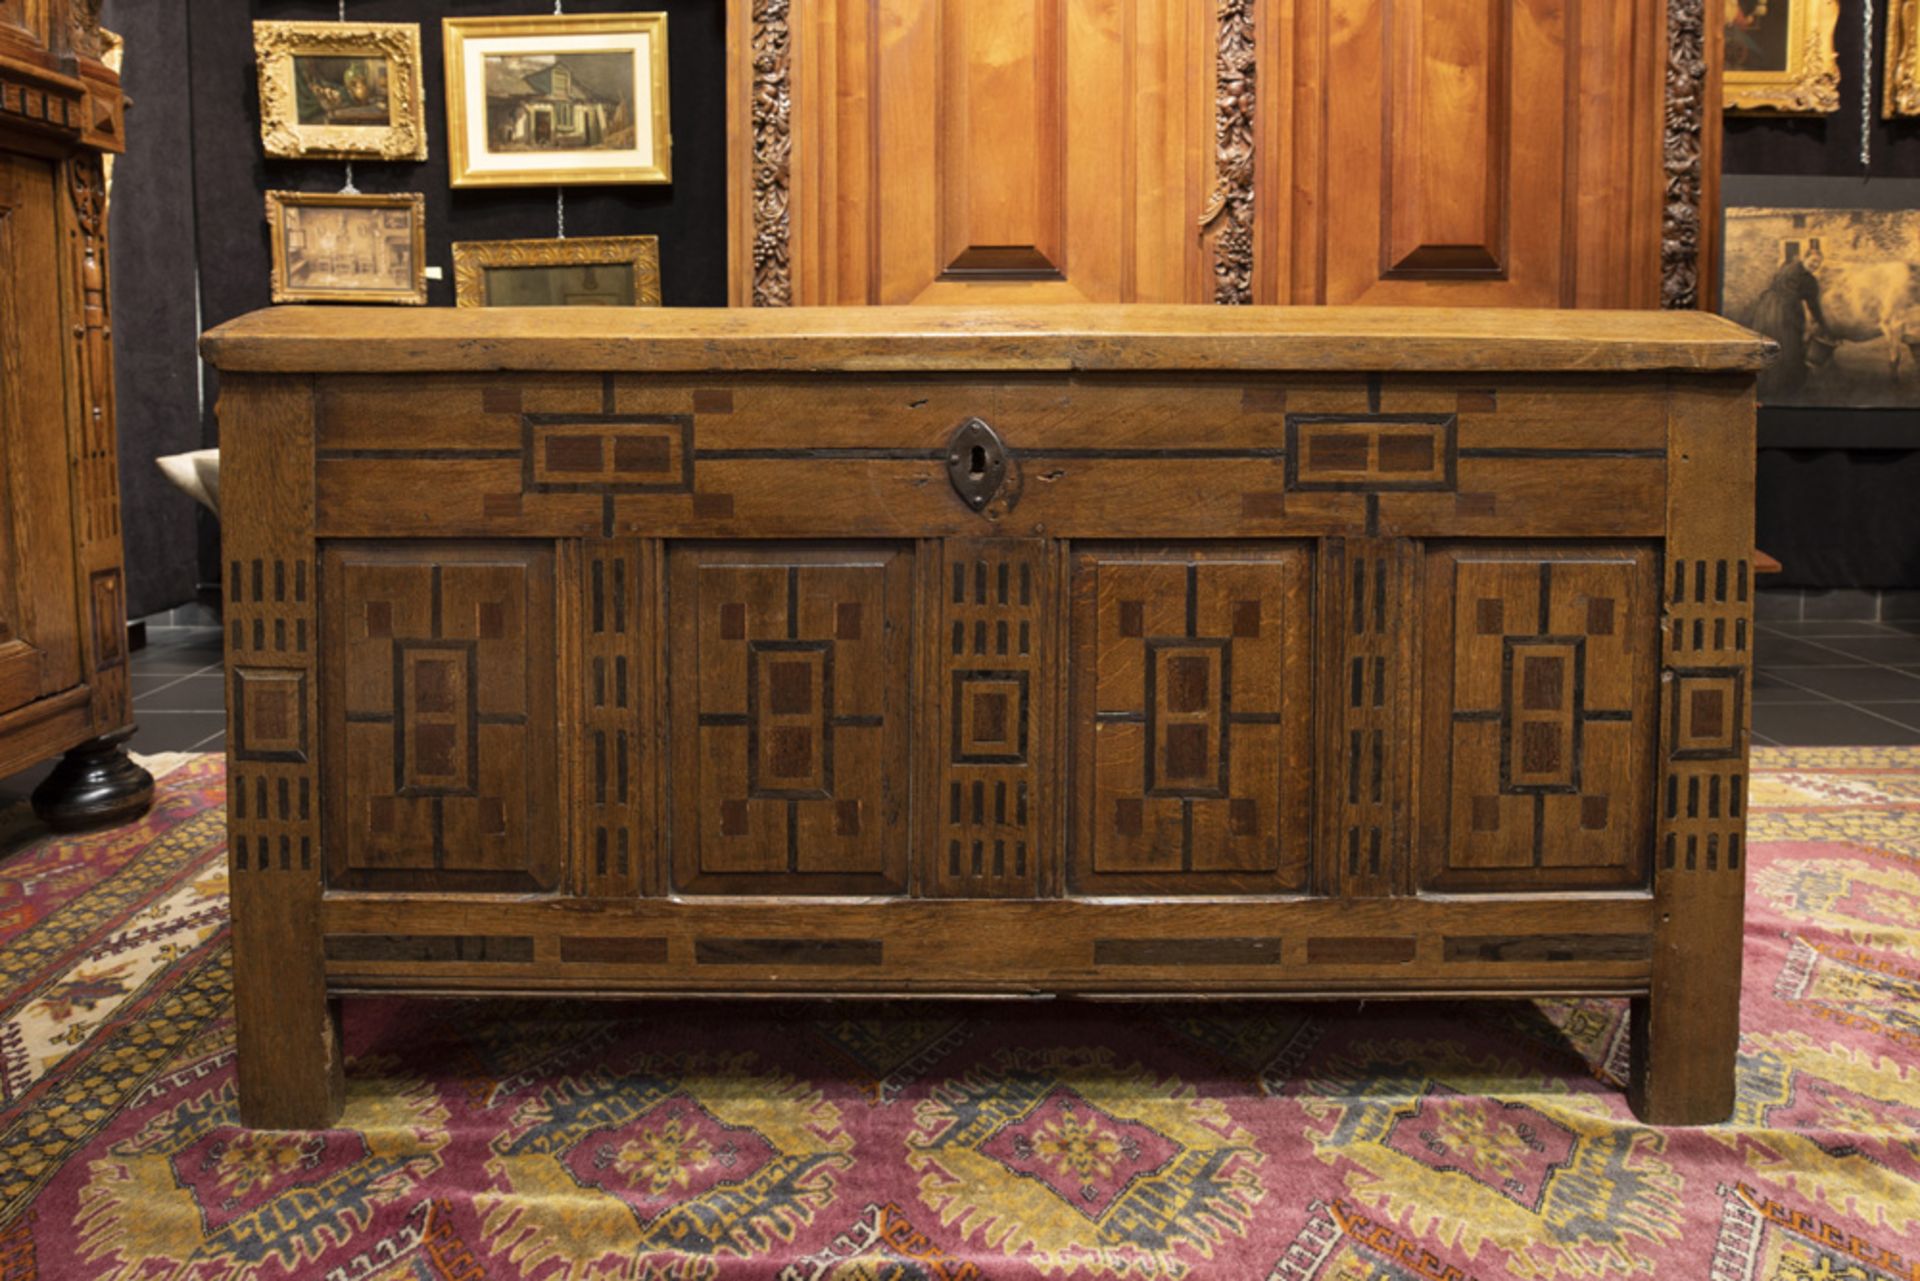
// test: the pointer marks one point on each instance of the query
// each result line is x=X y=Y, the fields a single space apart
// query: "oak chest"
x=1057 y=650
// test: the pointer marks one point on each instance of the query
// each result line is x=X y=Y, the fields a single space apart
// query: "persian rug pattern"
x=931 y=1142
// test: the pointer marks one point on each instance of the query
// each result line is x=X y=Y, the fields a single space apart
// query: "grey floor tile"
x=1892 y=649
x=1822 y=628
x=1772 y=686
x=173 y=660
x=1792 y=651
x=1907 y=713
x=203 y=693
x=1829 y=725
x=175 y=731
x=1856 y=684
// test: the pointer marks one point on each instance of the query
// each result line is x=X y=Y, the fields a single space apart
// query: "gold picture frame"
x=549 y=100
x=1795 y=68
x=321 y=253
x=1903 y=59
x=542 y=267
x=323 y=85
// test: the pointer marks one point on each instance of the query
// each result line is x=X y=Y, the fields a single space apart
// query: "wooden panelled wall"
x=1535 y=153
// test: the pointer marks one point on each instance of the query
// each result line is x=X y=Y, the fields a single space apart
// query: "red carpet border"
x=931 y=1142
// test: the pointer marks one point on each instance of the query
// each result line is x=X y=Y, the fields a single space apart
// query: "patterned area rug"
x=859 y=1142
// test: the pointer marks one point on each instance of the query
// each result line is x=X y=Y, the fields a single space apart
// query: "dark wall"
x=155 y=310
x=190 y=220
x=1837 y=486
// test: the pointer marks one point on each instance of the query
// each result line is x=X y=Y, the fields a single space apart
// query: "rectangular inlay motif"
x=1190 y=728
x=992 y=609
x=608 y=453
x=1540 y=732
x=440 y=711
x=1371 y=451
x=789 y=669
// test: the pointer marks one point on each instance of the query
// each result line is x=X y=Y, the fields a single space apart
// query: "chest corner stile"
x=1130 y=655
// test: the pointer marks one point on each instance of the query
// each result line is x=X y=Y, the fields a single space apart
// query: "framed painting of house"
x=341 y=90
x=339 y=247
x=585 y=271
x=558 y=101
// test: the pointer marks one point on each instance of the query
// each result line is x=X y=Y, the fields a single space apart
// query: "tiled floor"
x=1837 y=683
x=1818 y=683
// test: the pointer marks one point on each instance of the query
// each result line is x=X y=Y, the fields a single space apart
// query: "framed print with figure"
x=1839 y=291
x=585 y=271
x=1780 y=56
x=338 y=247
x=558 y=101
x=341 y=90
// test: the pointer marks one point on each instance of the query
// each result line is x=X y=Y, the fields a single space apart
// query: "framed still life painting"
x=558 y=101
x=341 y=90
x=348 y=248
x=586 y=271
x=1780 y=56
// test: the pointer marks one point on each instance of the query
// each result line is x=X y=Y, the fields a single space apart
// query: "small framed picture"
x=587 y=271
x=348 y=248
x=1835 y=288
x=557 y=101
x=341 y=90
x=1780 y=56
x=1903 y=59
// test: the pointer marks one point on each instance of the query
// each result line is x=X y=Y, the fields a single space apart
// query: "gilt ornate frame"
x=1810 y=86
x=472 y=259
x=1903 y=58
x=277 y=44
x=284 y=290
x=537 y=34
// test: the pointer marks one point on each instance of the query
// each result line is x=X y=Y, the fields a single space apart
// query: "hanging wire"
x=559 y=193
x=347 y=189
x=1866 y=83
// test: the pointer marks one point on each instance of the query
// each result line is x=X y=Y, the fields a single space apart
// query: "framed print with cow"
x=1839 y=290
x=1903 y=58
x=1780 y=56
x=341 y=90
x=558 y=101
x=584 y=271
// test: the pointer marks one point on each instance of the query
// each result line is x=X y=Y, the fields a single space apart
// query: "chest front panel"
x=616 y=637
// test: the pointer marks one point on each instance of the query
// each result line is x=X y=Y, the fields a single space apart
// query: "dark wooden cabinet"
x=1098 y=651
x=63 y=674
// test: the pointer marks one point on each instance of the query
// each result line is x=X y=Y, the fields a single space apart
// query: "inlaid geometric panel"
x=1540 y=730
x=614 y=841
x=992 y=612
x=789 y=668
x=610 y=453
x=440 y=716
x=1372 y=452
x=1708 y=606
x=1191 y=720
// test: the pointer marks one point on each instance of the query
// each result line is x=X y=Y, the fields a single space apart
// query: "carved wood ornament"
x=1681 y=154
x=772 y=154
x=1233 y=129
